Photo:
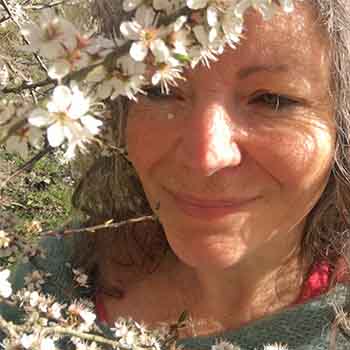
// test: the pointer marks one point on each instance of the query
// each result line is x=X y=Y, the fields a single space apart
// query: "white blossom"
x=145 y=34
x=127 y=80
x=66 y=117
x=70 y=60
x=120 y=328
x=52 y=36
x=5 y=286
x=207 y=50
x=27 y=340
x=224 y=345
x=54 y=310
x=167 y=75
x=47 y=344
x=82 y=311
x=196 y=4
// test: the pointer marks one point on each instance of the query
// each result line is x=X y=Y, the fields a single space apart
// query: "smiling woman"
x=245 y=165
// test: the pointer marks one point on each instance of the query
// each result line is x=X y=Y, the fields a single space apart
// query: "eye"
x=273 y=101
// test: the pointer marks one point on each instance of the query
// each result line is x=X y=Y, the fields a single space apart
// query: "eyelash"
x=280 y=101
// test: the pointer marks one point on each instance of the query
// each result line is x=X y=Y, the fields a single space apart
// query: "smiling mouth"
x=208 y=209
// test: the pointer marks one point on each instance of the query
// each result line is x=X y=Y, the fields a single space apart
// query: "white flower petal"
x=39 y=118
x=55 y=134
x=196 y=4
x=5 y=274
x=91 y=123
x=47 y=344
x=79 y=106
x=212 y=16
x=160 y=51
x=59 y=69
x=138 y=51
x=62 y=97
x=27 y=340
x=130 y=30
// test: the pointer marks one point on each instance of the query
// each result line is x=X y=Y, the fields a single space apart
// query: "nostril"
x=222 y=157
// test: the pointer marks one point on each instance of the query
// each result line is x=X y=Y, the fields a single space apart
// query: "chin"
x=211 y=253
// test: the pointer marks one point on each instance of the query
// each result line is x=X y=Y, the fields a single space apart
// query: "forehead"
x=296 y=40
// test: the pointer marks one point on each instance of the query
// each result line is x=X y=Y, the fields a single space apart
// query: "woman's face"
x=236 y=156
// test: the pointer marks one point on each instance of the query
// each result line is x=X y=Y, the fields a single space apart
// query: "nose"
x=208 y=143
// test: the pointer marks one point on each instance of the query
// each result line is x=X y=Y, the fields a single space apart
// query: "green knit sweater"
x=302 y=327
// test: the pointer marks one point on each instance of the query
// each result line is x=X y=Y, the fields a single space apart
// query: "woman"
x=245 y=165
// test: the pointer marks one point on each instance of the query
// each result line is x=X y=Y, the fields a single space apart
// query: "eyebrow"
x=246 y=72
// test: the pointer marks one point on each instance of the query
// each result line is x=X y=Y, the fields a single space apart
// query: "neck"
x=253 y=287
x=218 y=299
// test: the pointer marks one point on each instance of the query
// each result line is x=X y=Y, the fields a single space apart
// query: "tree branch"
x=26 y=85
x=27 y=166
x=108 y=224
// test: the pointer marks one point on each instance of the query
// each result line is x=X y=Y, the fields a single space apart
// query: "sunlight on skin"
x=234 y=175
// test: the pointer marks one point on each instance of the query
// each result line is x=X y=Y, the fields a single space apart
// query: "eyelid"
x=291 y=101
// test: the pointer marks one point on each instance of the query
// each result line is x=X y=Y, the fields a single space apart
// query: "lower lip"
x=209 y=213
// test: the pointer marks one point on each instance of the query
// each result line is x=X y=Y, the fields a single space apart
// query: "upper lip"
x=210 y=203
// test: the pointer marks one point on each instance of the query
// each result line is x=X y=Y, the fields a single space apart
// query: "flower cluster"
x=157 y=41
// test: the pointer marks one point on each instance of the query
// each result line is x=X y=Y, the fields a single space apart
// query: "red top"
x=317 y=283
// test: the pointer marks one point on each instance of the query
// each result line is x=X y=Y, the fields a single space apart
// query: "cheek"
x=296 y=158
x=149 y=140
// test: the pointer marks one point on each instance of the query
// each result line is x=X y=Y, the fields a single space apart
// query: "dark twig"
x=27 y=166
x=26 y=85
x=4 y=19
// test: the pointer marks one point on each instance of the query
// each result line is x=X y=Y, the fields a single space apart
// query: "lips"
x=208 y=209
